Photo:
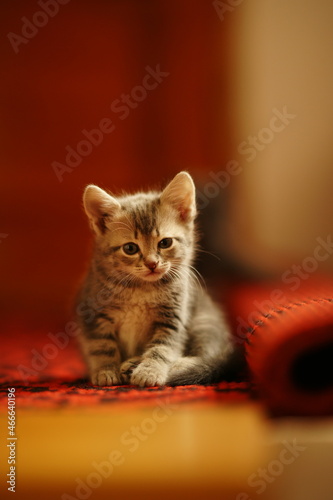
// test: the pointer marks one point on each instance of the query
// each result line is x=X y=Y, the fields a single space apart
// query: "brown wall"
x=281 y=208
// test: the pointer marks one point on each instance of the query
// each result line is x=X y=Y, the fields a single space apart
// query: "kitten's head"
x=145 y=236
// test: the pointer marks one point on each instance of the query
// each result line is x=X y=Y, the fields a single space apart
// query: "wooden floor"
x=167 y=452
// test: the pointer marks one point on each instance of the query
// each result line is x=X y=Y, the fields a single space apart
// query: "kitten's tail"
x=195 y=370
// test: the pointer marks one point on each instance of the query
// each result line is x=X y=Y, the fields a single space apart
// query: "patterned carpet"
x=47 y=376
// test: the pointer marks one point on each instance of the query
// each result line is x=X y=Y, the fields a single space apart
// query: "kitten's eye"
x=165 y=243
x=130 y=248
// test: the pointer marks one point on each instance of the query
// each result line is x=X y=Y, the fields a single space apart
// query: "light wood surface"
x=167 y=451
x=161 y=452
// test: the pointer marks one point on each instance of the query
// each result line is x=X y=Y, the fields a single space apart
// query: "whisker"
x=196 y=272
x=122 y=224
x=126 y=280
x=130 y=222
x=193 y=274
x=199 y=250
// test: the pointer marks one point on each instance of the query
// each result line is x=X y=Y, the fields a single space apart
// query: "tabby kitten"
x=143 y=318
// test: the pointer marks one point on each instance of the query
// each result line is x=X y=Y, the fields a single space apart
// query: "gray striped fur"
x=144 y=319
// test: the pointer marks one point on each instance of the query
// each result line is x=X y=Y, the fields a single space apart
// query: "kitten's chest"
x=134 y=326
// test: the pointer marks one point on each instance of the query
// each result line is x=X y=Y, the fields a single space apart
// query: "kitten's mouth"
x=153 y=275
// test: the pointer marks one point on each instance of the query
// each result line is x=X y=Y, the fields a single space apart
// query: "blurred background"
x=125 y=94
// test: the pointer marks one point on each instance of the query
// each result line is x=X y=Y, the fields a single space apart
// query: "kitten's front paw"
x=148 y=374
x=105 y=377
x=127 y=367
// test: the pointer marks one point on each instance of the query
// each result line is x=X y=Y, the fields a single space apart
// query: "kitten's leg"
x=102 y=352
x=127 y=368
x=210 y=355
x=191 y=370
x=164 y=348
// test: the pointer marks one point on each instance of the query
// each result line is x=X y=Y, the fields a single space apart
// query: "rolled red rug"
x=288 y=342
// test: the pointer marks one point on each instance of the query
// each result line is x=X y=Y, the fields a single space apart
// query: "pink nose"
x=151 y=264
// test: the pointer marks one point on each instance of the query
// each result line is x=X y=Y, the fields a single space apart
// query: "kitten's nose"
x=151 y=264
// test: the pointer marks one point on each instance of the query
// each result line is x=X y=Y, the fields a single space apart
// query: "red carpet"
x=49 y=377
x=288 y=342
x=287 y=338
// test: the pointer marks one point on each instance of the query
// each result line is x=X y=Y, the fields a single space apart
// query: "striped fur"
x=144 y=319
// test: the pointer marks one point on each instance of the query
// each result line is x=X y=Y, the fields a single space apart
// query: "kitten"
x=144 y=320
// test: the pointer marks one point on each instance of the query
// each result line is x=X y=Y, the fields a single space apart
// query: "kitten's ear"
x=180 y=193
x=98 y=205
